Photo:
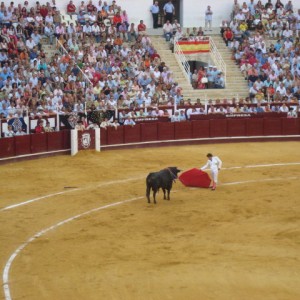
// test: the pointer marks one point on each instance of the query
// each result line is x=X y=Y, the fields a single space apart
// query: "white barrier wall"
x=192 y=11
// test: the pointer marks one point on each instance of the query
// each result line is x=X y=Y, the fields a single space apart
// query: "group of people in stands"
x=104 y=61
x=272 y=71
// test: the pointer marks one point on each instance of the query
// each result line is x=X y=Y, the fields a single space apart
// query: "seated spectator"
x=80 y=126
x=105 y=123
x=141 y=27
x=129 y=121
x=39 y=128
x=71 y=8
x=20 y=132
x=228 y=36
x=219 y=81
x=48 y=127
x=176 y=117
x=9 y=132
x=182 y=115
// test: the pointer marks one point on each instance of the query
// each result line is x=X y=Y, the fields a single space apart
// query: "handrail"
x=182 y=61
x=217 y=58
x=65 y=50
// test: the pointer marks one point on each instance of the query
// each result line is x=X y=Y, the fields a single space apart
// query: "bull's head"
x=174 y=171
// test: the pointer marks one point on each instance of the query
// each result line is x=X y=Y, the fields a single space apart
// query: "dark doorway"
x=161 y=18
x=194 y=64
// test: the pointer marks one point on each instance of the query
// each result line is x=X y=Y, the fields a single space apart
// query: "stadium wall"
x=156 y=134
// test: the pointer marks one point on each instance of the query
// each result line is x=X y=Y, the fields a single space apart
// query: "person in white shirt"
x=168 y=30
x=215 y=164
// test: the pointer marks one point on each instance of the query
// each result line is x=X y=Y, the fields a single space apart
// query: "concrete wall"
x=192 y=11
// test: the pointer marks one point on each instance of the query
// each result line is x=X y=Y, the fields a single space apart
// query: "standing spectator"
x=168 y=30
x=169 y=11
x=155 y=11
x=208 y=18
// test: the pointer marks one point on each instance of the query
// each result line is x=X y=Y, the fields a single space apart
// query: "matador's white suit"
x=215 y=164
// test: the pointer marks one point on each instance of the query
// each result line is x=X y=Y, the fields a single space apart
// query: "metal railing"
x=60 y=47
x=217 y=58
x=182 y=61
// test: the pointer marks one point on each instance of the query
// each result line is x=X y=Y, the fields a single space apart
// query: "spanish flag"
x=192 y=47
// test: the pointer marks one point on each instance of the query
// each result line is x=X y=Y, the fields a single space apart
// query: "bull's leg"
x=148 y=194
x=168 y=194
x=154 y=193
x=164 y=190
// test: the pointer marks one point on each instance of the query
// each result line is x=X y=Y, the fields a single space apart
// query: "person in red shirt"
x=71 y=8
x=90 y=7
x=44 y=11
x=228 y=35
x=141 y=27
x=39 y=128
x=117 y=20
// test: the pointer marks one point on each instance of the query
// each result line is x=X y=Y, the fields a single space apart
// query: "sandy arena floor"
x=89 y=233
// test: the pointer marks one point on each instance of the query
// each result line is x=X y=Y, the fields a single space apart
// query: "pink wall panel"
x=218 y=127
x=23 y=144
x=272 y=126
x=236 y=127
x=66 y=139
x=183 y=130
x=148 y=132
x=54 y=140
x=132 y=134
x=200 y=129
x=254 y=127
x=166 y=131
x=38 y=142
x=290 y=126
x=7 y=147
x=115 y=136
x=103 y=136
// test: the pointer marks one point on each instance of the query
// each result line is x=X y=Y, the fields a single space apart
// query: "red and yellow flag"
x=192 y=47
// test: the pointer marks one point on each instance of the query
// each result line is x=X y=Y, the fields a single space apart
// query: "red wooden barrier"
x=290 y=126
x=148 y=132
x=66 y=139
x=218 y=127
x=132 y=134
x=200 y=129
x=165 y=131
x=38 y=142
x=254 y=127
x=7 y=147
x=115 y=136
x=236 y=127
x=272 y=126
x=103 y=136
x=54 y=140
x=22 y=144
x=183 y=130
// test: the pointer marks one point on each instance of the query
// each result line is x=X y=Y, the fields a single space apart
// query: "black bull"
x=162 y=179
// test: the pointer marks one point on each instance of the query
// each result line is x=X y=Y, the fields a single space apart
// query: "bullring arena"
x=80 y=227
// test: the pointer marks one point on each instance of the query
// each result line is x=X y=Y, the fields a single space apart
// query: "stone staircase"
x=236 y=86
x=49 y=49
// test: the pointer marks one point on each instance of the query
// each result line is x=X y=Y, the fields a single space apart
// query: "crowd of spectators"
x=272 y=72
x=102 y=61
x=204 y=77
